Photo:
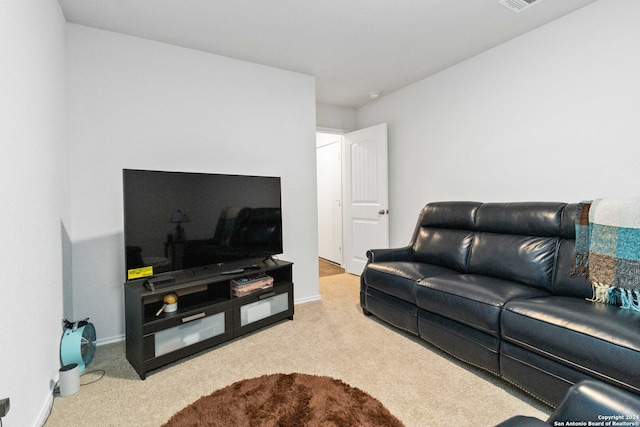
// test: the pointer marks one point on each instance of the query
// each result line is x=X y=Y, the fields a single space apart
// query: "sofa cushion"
x=524 y=218
x=447 y=248
x=471 y=299
x=524 y=259
x=399 y=278
x=598 y=339
x=451 y=215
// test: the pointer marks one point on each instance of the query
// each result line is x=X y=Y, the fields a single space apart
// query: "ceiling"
x=352 y=47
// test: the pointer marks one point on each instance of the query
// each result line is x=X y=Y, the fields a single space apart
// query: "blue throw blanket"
x=608 y=250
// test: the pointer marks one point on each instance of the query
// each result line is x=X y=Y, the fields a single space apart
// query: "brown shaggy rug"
x=286 y=400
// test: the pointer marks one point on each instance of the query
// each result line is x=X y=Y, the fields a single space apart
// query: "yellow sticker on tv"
x=136 y=273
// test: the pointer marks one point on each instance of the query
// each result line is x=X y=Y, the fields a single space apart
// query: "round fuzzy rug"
x=286 y=400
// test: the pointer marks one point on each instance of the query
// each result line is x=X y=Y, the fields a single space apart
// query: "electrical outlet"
x=4 y=407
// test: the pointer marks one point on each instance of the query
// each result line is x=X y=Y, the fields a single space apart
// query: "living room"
x=550 y=115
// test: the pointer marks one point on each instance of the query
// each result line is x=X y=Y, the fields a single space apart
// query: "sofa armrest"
x=522 y=421
x=588 y=403
x=394 y=254
x=597 y=402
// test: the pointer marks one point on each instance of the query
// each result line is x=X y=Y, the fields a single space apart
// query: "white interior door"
x=329 y=170
x=365 y=195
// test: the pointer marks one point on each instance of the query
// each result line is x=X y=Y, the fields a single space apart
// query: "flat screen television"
x=183 y=220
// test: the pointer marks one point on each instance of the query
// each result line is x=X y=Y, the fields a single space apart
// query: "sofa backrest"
x=526 y=242
x=444 y=234
x=517 y=241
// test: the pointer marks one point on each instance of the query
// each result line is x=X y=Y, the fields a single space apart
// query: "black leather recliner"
x=588 y=403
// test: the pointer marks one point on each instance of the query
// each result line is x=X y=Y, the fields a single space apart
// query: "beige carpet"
x=328 y=268
x=417 y=383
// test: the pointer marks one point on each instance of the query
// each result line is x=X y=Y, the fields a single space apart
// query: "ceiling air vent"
x=518 y=5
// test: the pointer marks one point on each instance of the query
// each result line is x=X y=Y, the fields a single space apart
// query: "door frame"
x=340 y=141
x=342 y=133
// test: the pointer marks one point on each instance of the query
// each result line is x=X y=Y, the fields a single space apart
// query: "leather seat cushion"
x=400 y=278
x=579 y=333
x=471 y=299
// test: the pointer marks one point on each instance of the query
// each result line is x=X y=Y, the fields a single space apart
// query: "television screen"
x=181 y=220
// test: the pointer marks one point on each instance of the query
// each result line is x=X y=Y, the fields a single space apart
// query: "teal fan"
x=78 y=343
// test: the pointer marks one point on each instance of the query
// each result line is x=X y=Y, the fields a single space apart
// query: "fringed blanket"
x=608 y=250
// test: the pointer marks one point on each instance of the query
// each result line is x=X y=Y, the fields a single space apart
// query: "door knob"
x=382 y=211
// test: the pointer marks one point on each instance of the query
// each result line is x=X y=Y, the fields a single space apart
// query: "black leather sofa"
x=489 y=283
x=588 y=403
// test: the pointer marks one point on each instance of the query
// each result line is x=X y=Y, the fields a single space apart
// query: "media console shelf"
x=208 y=313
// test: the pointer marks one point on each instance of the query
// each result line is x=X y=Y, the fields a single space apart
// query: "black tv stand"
x=234 y=271
x=151 y=283
x=270 y=257
x=208 y=313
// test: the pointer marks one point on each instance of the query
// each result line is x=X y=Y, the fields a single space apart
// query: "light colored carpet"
x=417 y=383
x=328 y=268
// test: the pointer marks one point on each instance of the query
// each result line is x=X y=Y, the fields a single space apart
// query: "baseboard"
x=117 y=338
x=307 y=299
x=46 y=411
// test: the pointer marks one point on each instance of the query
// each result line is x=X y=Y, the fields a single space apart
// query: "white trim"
x=111 y=340
x=307 y=299
x=46 y=410
x=323 y=129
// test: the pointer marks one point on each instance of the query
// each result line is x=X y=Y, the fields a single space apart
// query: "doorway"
x=329 y=179
x=352 y=180
x=365 y=194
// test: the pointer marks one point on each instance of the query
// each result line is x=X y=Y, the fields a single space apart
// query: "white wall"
x=139 y=104
x=551 y=115
x=335 y=118
x=34 y=201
